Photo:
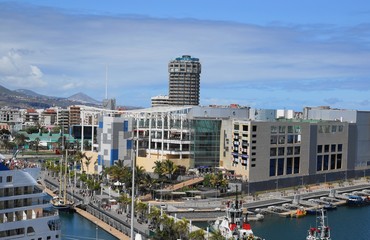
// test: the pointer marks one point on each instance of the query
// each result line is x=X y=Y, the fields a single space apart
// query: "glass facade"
x=205 y=147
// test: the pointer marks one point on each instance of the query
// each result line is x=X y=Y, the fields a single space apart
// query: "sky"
x=270 y=54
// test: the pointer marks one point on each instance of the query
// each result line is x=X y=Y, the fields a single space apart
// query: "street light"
x=133 y=195
x=302 y=181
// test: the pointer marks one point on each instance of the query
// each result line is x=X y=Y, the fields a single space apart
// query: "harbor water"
x=76 y=227
x=345 y=223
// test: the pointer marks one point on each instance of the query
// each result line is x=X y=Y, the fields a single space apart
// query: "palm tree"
x=182 y=228
x=158 y=168
x=142 y=209
x=197 y=235
x=78 y=157
x=37 y=142
x=167 y=229
x=88 y=161
x=125 y=201
x=217 y=236
x=169 y=168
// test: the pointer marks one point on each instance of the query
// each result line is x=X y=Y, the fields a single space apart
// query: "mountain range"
x=24 y=98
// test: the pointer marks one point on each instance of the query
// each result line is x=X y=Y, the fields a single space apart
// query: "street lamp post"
x=302 y=181
x=133 y=196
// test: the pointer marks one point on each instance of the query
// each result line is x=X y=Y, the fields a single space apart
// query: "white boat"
x=322 y=230
x=234 y=225
x=25 y=213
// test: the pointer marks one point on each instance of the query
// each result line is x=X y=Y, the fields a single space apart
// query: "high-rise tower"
x=184 y=81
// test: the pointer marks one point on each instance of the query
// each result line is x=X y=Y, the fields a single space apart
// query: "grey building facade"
x=184 y=81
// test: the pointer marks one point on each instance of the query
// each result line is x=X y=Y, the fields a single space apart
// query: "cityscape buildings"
x=263 y=147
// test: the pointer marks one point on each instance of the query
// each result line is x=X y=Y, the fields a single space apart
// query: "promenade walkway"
x=103 y=225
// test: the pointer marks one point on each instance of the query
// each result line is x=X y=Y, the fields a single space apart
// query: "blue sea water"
x=76 y=227
x=345 y=223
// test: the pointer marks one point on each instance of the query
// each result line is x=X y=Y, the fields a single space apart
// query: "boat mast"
x=60 y=175
x=65 y=179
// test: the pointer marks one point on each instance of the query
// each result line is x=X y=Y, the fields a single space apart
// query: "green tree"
x=169 y=168
x=197 y=235
x=217 y=236
x=37 y=144
x=20 y=139
x=158 y=168
x=182 y=228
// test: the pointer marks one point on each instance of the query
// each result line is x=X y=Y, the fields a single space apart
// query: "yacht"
x=25 y=211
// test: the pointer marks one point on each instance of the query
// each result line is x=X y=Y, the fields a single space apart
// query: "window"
x=289 y=150
x=326 y=148
x=281 y=129
x=273 y=140
x=253 y=159
x=340 y=128
x=289 y=166
x=340 y=146
x=326 y=162
x=297 y=150
x=30 y=231
x=9 y=178
x=272 y=151
x=245 y=128
x=236 y=126
x=273 y=129
x=272 y=167
x=319 y=163
x=290 y=129
x=281 y=139
x=333 y=128
x=339 y=161
x=319 y=149
x=48 y=238
x=332 y=161
x=254 y=147
x=296 y=164
x=290 y=139
x=253 y=165
x=280 y=166
x=297 y=129
x=281 y=151
x=333 y=147
x=254 y=128
x=254 y=141
x=254 y=136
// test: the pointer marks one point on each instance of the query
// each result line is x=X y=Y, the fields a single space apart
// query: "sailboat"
x=60 y=201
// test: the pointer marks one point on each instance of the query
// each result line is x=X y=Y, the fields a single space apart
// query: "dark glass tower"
x=184 y=81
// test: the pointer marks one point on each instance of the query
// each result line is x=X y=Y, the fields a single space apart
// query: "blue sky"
x=263 y=54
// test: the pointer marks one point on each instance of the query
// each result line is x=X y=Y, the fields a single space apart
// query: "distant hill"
x=83 y=98
x=23 y=98
x=28 y=92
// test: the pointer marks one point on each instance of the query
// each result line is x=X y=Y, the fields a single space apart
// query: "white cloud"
x=17 y=72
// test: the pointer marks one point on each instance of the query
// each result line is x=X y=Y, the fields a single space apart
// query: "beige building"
x=265 y=151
